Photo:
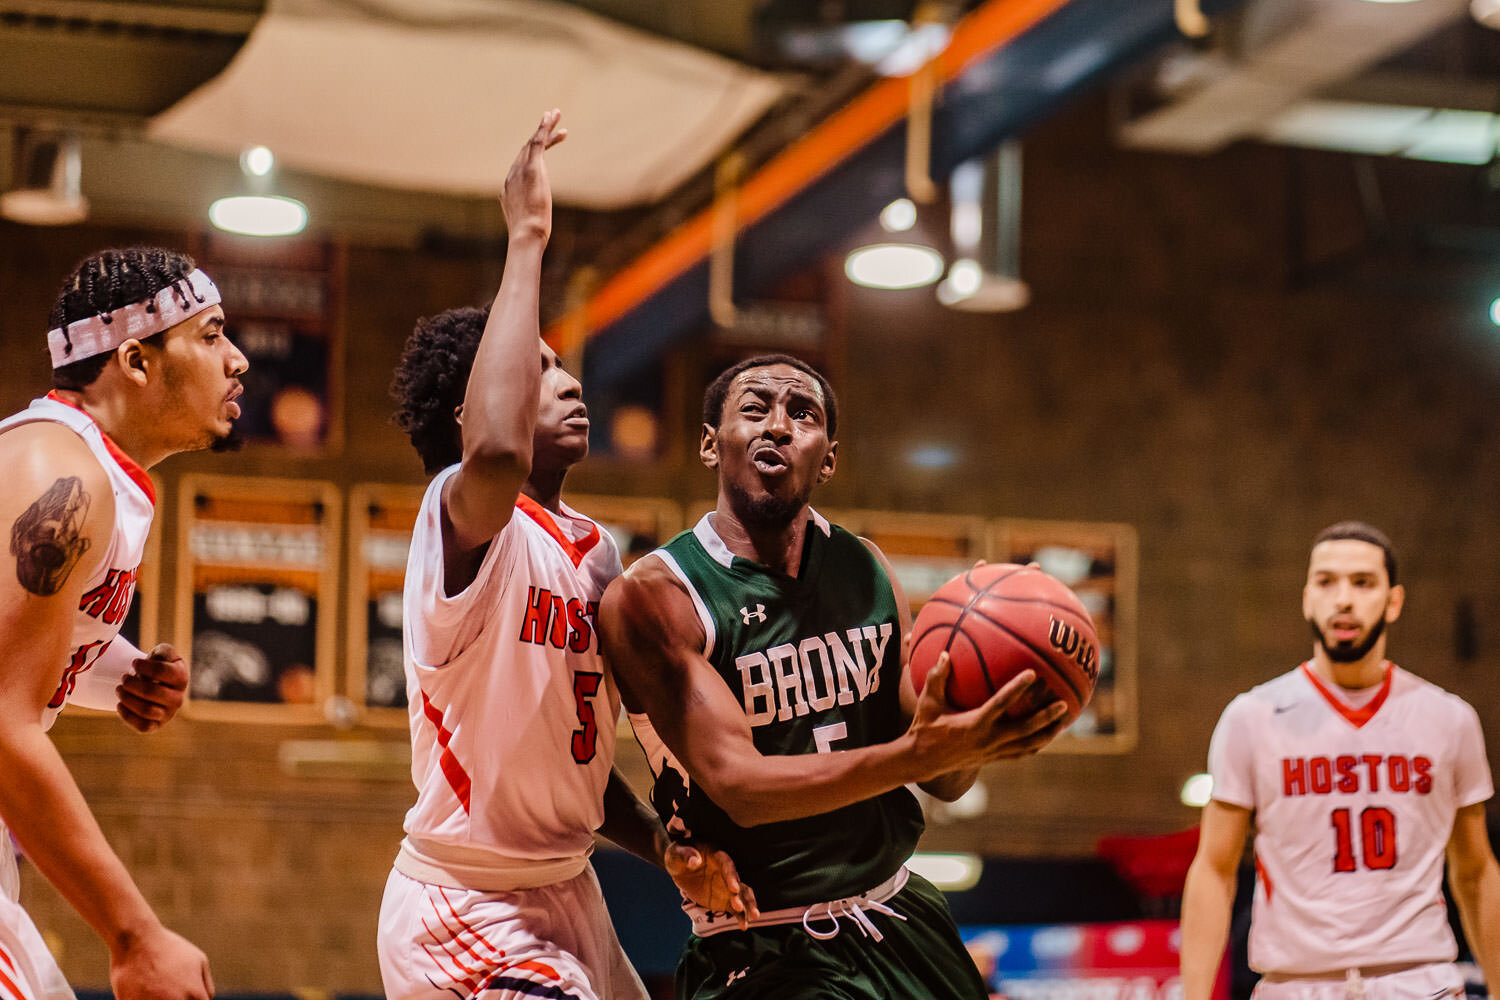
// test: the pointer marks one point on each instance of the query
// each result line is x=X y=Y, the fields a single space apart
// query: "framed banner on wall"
x=1099 y=563
x=282 y=306
x=380 y=524
x=257 y=591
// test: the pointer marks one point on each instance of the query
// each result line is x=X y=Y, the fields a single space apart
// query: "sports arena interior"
x=1145 y=291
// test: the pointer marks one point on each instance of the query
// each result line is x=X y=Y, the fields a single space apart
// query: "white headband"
x=85 y=338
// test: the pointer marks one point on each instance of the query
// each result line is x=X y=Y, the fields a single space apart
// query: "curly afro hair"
x=431 y=379
x=104 y=282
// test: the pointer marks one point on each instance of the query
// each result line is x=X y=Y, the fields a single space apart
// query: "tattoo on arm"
x=47 y=540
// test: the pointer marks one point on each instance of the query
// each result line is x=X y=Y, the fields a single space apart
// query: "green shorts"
x=919 y=958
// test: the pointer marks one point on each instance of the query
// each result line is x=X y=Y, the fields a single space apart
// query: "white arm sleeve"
x=95 y=687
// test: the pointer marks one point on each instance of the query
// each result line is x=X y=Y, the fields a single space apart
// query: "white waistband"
x=480 y=870
x=707 y=923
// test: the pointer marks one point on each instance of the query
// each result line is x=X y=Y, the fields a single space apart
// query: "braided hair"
x=431 y=379
x=104 y=282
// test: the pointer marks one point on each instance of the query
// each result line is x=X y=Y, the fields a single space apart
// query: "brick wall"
x=1167 y=375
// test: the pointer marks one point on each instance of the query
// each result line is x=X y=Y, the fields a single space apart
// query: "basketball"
x=999 y=619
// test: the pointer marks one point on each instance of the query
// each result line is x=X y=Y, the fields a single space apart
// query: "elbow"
x=498 y=458
x=742 y=802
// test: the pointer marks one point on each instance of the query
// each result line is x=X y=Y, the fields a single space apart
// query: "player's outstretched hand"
x=709 y=878
x=160 y=965
x=959 y=740
x=152 y=693
x=527 y=196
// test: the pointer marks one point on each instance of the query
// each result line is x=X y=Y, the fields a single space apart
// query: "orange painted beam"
x=843 y=134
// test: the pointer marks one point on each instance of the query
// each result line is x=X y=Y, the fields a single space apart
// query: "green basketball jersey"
x=816 y=663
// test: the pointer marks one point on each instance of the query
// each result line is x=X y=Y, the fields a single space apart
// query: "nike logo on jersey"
x=1279 y=709
x=759 y=614
x=813 y=674
x=1347 y=773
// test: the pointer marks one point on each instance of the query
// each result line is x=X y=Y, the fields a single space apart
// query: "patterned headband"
x=85 y=338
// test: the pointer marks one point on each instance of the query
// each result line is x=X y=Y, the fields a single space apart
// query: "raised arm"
x=652 y=636
x=500 y=402
x=58 y=512
x=1474 y=878
x=1208 y=896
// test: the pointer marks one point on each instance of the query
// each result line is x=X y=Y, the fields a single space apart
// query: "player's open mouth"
x=229 y=401
x=578 y=420
x=769 y=461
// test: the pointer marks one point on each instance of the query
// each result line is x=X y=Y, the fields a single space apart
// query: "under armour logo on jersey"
x=759 y=614
x=737 y=975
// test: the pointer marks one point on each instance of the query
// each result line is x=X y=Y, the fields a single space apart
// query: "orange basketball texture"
x=999 y=619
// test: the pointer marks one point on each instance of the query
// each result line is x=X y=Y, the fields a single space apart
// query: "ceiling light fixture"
x=259 y=215
x=1495 y=312
x=986 y=229
x=47 y=189
x=894 y=265
x=257 y=161
x=899 y=216
x=1198 y=790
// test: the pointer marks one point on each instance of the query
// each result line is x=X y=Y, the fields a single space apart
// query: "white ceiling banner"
x=437 y=95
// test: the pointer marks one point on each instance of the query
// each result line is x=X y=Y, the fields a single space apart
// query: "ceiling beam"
x=225 y=18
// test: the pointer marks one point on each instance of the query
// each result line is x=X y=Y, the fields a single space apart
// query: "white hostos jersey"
x=108 y=591
x=1354 y=807
x=512 y=716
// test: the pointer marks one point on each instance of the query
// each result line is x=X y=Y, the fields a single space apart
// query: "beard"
x=768 y=512
x=1348 y=652
x=233 y=441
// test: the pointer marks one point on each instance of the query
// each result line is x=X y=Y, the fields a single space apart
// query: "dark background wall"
x=1180 y=369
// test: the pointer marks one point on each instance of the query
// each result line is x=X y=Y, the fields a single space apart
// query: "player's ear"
x=830 y=463
x=458 y=414
x=708 y=446
x=131 y=359
x=1395 y=603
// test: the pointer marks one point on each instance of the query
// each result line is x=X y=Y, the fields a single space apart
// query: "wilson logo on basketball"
x=1067 y=640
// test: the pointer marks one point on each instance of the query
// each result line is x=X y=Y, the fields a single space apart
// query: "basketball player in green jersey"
x=761 y=656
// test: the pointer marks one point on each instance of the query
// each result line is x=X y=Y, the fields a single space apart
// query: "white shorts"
x=555 y=941
x=1432 y=981
x=27 y=969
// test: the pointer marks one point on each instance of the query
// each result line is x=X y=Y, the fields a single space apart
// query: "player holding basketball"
x=1358 y=775
x=512 y=710
x=762 y=658
x=142 y=370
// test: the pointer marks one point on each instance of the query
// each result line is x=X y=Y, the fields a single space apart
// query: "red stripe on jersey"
x=8 y=987
x=545 y=970
x=5 y=957
x=543 y=517
x=131 y=467
x=465 y=975
x=463 y=927
x=452 y=769
x=1356 y=717
x=1265 y=879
